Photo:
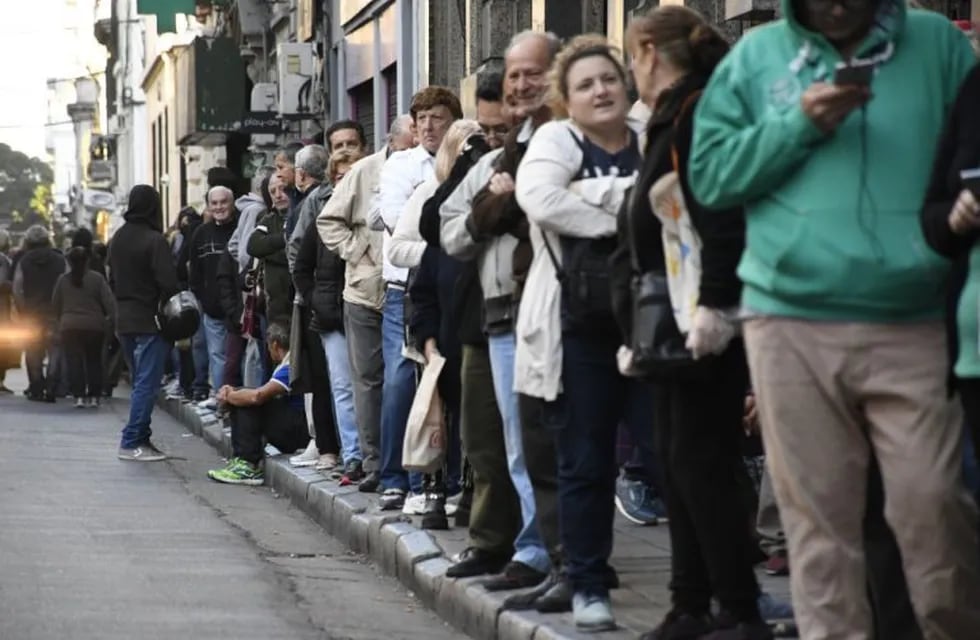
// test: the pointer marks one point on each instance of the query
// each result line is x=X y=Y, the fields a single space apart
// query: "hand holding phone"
x=827 y=105
x=971 y=180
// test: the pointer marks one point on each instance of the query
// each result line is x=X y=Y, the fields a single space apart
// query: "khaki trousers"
x=827 y=393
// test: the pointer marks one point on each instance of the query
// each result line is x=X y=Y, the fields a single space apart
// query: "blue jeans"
x=199 y=354
x=397 y=395
x=594 y=401
x=338 y=364
x=529 y=547
x=215 y=332
x=146 y=355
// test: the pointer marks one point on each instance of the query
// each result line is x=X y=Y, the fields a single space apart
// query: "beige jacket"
x=343 y=227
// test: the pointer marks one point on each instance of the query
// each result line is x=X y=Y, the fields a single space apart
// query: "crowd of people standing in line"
x=525 y=248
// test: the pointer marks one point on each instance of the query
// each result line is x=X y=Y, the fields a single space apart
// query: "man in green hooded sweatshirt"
x=844 y=298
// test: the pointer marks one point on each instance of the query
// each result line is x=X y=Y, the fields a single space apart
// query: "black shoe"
x=516 y=575
x=528 y=600
x=462 y=516
x=558 y=597
x=680 y=625
x=371 y=483
x=200 y=396
x=434 y=515
x=476 y=562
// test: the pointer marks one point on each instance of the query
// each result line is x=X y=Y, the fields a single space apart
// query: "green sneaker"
x=239 y=471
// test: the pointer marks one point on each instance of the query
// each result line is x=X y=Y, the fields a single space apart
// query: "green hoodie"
x=833 y=221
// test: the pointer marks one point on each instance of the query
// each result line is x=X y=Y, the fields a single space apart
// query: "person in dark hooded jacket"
x=142 y=274
x=208 y=246
x=37 y=272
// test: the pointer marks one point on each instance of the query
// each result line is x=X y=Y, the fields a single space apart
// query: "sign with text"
x=261 y=122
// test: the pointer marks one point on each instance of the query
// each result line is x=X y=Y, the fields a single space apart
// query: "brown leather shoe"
x=516 y=575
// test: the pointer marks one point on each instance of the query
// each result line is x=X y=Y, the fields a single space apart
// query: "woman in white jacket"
x=407 y=246
x=571 y=184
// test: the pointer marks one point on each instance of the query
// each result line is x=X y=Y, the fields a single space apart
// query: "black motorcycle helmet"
x=179 y=317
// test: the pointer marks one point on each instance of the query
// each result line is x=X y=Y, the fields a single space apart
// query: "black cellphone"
x=971 y=180
x=854 y=75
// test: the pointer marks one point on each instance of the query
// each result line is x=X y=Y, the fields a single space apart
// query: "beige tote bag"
x=424 y=446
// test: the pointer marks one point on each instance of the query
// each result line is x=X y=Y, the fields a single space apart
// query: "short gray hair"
x=220 y=189
x=277 y=333
x=37 y=236
x=260 y=176
x=552 y=40
x=401 y=124
x=313 y=160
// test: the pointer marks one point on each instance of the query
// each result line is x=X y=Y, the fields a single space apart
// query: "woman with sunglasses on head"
x=571 y=183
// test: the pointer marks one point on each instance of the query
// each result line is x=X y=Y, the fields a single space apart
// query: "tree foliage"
x=20 y=179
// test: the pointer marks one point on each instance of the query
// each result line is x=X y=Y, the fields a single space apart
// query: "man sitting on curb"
x=272 y=412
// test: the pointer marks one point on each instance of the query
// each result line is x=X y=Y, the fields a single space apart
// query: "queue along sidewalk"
x=418 y=558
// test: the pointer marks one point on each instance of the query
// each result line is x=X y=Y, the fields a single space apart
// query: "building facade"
x=201 y=83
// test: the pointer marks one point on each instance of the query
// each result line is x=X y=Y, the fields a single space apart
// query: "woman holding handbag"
x=703 y=377
x=571 y=182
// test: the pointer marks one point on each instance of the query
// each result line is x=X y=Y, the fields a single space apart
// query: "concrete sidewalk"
x=419 y=558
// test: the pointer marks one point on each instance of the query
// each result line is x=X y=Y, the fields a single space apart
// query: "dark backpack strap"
x=559 y=272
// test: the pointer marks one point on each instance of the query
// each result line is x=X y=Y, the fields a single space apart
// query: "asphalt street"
x=95 y=548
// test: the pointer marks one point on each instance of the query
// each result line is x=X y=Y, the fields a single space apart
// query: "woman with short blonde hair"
x=340 y=163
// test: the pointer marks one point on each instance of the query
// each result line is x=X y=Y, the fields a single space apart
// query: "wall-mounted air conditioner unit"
x=295 y=64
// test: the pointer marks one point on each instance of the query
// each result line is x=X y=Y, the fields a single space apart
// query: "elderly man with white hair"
x=208 y=246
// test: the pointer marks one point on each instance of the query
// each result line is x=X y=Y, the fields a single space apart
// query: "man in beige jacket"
x=344 y=229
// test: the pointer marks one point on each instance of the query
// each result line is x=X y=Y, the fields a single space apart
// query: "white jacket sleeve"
x=407 y=246
x=454 y=213
x=545 y=192
x=395 y=187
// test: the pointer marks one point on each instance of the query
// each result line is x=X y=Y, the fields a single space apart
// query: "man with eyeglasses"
x=823 y=126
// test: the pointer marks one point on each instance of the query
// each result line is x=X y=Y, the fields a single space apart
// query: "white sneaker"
x=210 y=404
x=308 y=458
x=452 y=504
x=414 y=504
x=326 y=462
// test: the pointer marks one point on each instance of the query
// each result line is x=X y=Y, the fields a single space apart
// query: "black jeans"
x=584 y=419
x=699 y=431
x=283 y=426
x=83 y=353
x=42 y=381
x=324 y=420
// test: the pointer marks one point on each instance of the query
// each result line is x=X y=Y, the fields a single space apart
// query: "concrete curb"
x=416 y=557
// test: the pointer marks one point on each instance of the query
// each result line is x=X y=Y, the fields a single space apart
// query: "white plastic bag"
x=424 y=446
